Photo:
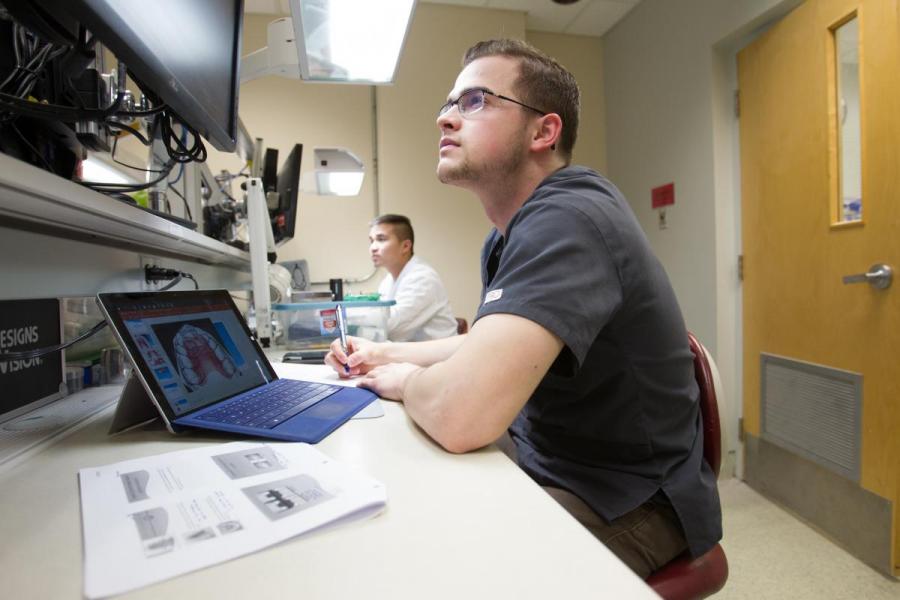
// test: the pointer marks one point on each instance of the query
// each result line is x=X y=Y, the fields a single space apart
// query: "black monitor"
x=284 y=217
x=187 y=52
x=270 y=170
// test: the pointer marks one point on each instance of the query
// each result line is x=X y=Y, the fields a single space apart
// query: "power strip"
x=28 y=434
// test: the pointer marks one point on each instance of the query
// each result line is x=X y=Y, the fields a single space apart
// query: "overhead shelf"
x=35 y=200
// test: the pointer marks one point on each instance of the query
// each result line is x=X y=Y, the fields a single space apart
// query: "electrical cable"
x=171 y=284
x=35 y=59
x=153 y=273
x=35 y=353
x=142 y=113
x=187 y=208
x=179 y=151
x=133 y=131
x=224 y=178
x=181 y=166
x=18 y=103
x=112 y=155
x=54 y=112
x=180 y=173
x=31 y=56
x=178 y=279
x=32 y=148
x=101 y=186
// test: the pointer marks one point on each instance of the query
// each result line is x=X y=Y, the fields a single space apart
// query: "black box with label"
x=27 y=325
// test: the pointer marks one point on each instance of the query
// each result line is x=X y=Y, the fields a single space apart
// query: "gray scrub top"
x=616 y=419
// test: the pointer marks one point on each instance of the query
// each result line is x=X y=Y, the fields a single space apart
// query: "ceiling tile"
x=543 y=15
x=598 y=17
x=585 y=17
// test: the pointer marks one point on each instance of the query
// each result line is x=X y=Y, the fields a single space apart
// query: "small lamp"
x=338 y=171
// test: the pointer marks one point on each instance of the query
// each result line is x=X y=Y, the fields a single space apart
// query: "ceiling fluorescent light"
x=350 y=41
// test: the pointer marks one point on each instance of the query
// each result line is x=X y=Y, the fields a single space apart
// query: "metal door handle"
x=878 y=276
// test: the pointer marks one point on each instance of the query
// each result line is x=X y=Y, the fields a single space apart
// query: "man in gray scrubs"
x=578 y=361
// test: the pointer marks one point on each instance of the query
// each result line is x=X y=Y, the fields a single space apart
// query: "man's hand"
x=364 y=355
x=389 y=381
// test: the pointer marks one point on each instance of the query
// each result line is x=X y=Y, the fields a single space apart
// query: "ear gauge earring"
x=553 y=147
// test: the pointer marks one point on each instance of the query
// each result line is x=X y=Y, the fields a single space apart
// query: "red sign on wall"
x=662 y=195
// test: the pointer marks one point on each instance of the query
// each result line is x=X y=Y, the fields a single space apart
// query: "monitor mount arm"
x=278 y=58
x=262 y=243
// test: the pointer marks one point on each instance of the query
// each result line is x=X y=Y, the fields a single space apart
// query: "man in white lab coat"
x=422 y=311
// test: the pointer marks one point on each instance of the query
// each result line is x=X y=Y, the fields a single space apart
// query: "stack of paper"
x=150 y=519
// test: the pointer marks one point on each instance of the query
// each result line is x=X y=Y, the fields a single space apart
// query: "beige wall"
x=583 y=56
x=450 y=224
x=283 y=112
x=670 y=77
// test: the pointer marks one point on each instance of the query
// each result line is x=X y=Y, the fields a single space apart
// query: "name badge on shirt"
x=493 y=295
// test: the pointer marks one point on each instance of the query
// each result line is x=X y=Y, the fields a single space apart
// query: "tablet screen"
x=193 y=348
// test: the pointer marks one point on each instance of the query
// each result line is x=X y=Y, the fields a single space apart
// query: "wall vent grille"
x=814 y=411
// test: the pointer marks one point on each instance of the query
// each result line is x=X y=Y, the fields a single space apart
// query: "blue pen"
x=342 y=329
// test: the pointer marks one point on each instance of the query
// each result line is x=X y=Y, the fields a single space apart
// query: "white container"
x=313 y=325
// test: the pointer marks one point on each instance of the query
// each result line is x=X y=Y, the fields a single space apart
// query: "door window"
x=847 y=123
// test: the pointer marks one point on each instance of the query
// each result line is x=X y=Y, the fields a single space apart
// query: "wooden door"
x=796 y=250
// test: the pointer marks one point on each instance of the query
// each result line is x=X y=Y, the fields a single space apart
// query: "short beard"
x=506 y=166
x=463 y=172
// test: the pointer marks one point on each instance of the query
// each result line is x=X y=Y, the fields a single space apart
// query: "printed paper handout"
x=149 y=519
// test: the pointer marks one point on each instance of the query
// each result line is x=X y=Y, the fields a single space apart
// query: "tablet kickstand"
x=135 y=408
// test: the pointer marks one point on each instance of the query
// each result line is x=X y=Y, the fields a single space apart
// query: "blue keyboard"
x=270 y=405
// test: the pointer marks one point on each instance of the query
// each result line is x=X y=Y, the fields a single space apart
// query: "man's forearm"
x=423 y=354
x=437 y=402
x=468 y=400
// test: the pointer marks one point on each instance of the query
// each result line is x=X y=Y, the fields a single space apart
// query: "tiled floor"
x=772 y=554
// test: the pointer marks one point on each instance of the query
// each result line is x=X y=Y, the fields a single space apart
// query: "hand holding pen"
x=342 y=330
x=366 y=354
x=360 y=357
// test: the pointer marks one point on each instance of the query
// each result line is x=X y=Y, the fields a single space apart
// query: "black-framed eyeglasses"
x=472 y=101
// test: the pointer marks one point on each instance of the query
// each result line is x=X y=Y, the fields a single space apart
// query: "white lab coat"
x=422 y=311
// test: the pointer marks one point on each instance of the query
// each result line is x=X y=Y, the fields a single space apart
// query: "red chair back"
x=709 y=408
x=462 y=326
x=687 y=578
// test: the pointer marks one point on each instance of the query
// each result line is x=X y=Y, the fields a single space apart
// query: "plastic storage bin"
x=313 y=325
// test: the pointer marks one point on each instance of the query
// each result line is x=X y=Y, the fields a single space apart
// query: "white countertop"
x=455 y=526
